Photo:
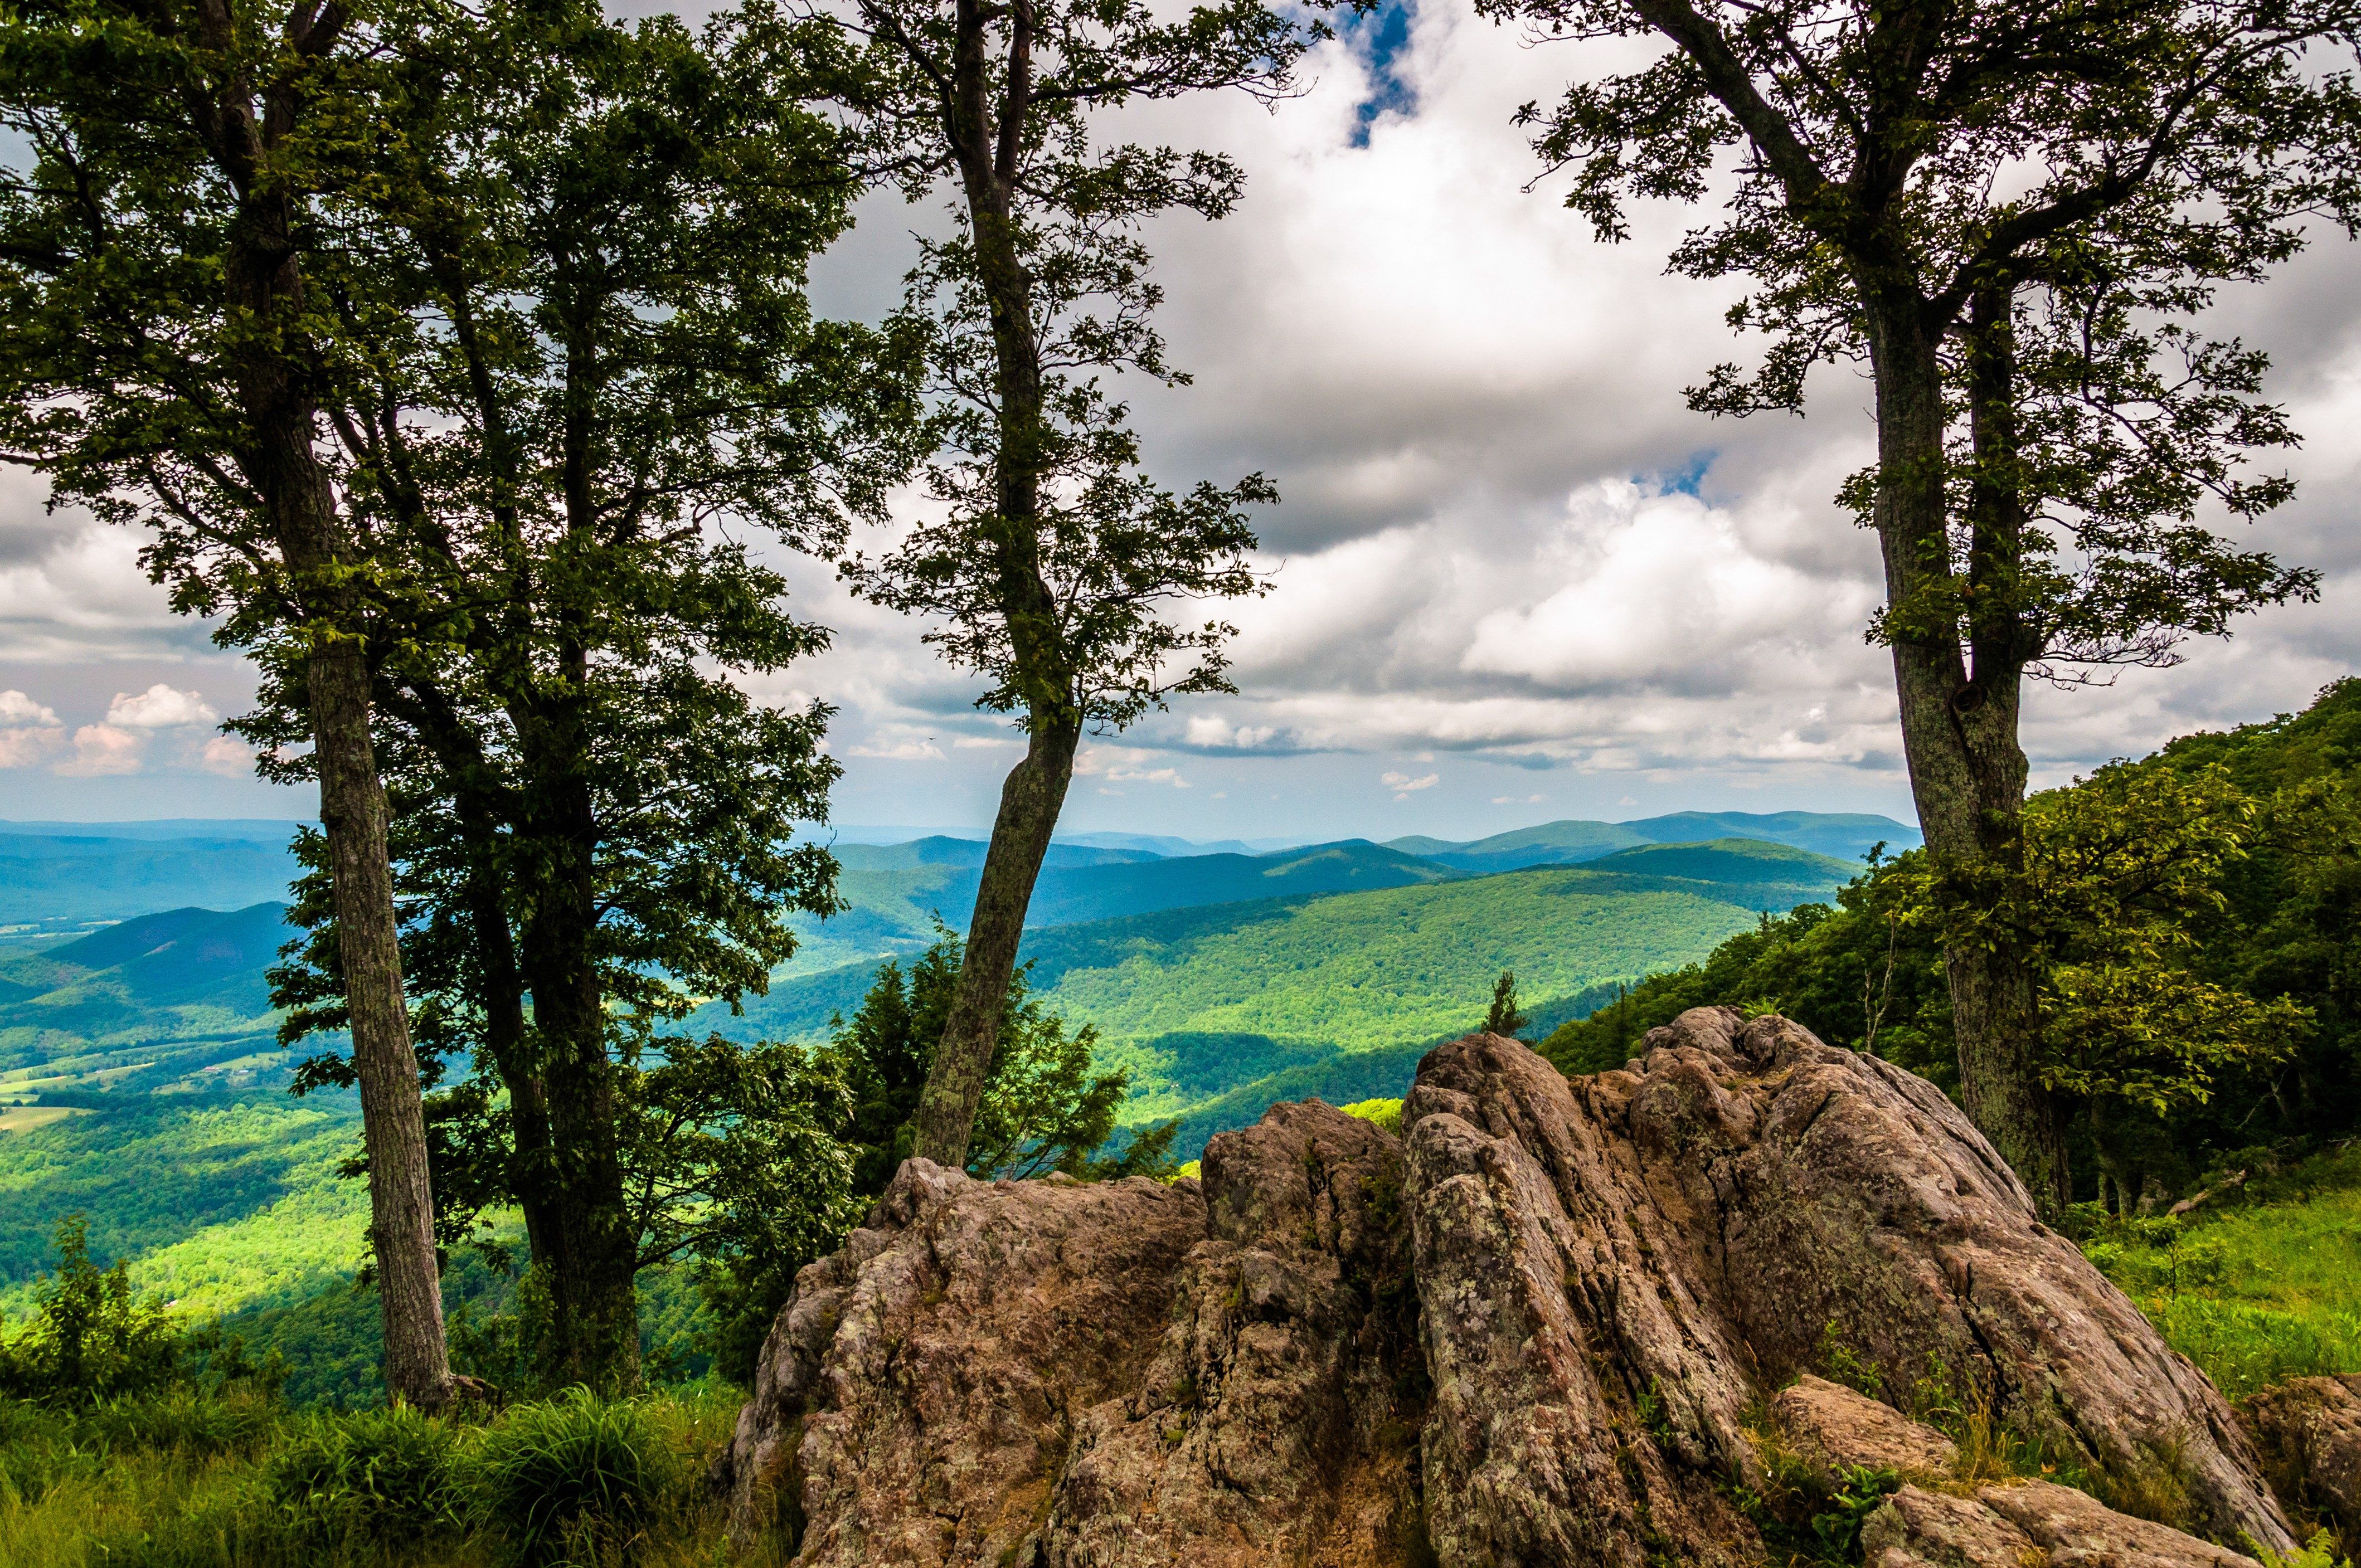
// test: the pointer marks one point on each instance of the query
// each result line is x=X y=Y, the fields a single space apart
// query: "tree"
x=1042 y=1110
x=1054 y=558
x=582 y=353
x=2127 y=909
x=1504 y=1017
x=167 y=363
x=2010 y=211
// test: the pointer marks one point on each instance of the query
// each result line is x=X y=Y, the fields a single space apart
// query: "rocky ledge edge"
x=1556 y=1321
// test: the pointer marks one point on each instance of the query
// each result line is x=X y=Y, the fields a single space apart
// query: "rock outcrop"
x=1938 y=1519
x=2030 y=1522
x=1049 y=1373
x=1834 y=1429
x=915 y=1400
x=1540 y=1328
x=1705 y=1225
x=2308 y=1431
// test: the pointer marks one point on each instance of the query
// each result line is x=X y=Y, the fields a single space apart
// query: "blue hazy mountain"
x=61 y=873
x=1847 y=836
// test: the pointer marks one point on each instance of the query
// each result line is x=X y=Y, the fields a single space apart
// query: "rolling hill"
x=146 y=1003
x=1218 y=1010
x=1845 y=836
x=57 y=878
x=1221 y=982
x=895 y=898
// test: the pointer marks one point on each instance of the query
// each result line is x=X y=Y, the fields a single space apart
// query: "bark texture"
x=1532 y=1332
x=393 y=1123
x=1030 y=800
x=243 y=124
x=1959 y=700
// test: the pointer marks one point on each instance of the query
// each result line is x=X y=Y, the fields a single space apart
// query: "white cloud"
x=1402 y=784
x=1210 y=732
x=22 y=747
x=102 y=750
x=1471 y=407
x=160 y=706
x=229 y=758
x=1146 y=775
x=910 y=750
x=18 y=711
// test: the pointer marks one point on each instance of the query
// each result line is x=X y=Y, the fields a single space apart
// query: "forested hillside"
x=229 y=1202
x=1847 y=837
x=1218 y=1011
x=2197 y=918
x=54 y=876
x=177 y=997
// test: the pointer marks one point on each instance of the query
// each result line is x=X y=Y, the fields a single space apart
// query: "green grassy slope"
x=2259 y=1286
x=1361 y=970
x=1219 y=1011
x=163 y=998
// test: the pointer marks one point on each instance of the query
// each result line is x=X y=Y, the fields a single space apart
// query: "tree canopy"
x=2015 y=213
x=1051 y=563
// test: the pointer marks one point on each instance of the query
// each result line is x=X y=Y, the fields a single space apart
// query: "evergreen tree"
x=1504 y=1017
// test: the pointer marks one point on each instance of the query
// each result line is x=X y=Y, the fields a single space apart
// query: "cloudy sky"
x=1512 y=577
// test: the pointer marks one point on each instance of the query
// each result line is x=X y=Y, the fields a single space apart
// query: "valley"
x=145 y=1089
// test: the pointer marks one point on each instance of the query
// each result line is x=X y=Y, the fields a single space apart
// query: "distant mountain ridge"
x=60 y=879
x=1846 y=835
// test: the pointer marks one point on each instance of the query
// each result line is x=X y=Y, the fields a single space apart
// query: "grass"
x=191 y=1481
x=2257 y=1293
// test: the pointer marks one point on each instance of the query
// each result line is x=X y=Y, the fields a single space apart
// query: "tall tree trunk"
x=265 y=283
x=394 y=1123
x=987 y=141
x=474 y=794
x=1959 y=740
x=1029 y=802
x=506 y=1039
x=593 y=1336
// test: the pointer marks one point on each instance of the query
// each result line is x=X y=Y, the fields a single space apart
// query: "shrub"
x=184 y=1420
x=581 y=1478
x=387 y=1475
x=91 y=1340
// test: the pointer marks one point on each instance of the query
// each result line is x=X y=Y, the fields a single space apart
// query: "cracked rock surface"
x=2309 y=1429
x=2032 y=1522
x=1533 y=1332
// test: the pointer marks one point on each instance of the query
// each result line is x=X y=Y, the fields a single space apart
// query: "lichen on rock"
x=1535 y=1330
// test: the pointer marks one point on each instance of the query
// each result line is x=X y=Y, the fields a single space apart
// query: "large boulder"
x=1544 y=1328
x=2308 y=1431
x=1835 y=1428
x=1049 y=1373
x=915 y=1400
x=2026 y=1523
x=1703 y=1226
x=1275 y=1423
